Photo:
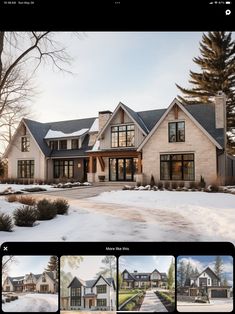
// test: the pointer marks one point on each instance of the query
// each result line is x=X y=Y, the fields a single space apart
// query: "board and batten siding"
x=196 y=142
x=34 y=153
x=105 y=142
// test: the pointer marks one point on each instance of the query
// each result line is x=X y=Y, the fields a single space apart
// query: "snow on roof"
x=95 y=126
x=96 y=146
x=58 y=134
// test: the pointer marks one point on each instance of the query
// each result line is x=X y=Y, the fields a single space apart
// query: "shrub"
x=25 y=216
x=152 y=181
x=167 y=185
x=5 y=222
x=61 y=206
x=46 y=209
x=129 y=306
x=202 y=183
x=192 y=185
x=213 y=188
x=11 y=198
x=181 y=184
x=27 y=200
x=174 y=185
x=160 y=185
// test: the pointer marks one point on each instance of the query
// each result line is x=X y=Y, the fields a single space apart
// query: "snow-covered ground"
x=19 y=187
x=136 y=216
x=35 y=302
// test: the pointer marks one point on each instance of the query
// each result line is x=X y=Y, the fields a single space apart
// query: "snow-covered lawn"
x=19 y=187
x=35 y=302
x=136 y=216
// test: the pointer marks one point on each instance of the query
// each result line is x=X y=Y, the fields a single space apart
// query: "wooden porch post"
x=139 y=164
x=91 y=164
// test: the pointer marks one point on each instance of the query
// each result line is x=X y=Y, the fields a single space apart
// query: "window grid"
x=25 y=144
x=63 y=168
x=101 y=289
x=123 y=136
x=25 y=169
x=101 y=302
x=176 y=132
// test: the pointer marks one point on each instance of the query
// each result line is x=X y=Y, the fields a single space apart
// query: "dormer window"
x=176 y=132
x=63 y=144
x=74 y=143
x=123 y=136
x=25 y=144
x=53 y=145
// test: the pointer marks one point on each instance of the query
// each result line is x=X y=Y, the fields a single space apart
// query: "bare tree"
x=21 y=53
x=6 y=261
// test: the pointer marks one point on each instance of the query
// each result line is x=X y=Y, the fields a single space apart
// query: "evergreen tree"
x=217 y=63
x=53 y=265
x=171 y=275
x=225 y=281
x=181 y=270
x=218 y=268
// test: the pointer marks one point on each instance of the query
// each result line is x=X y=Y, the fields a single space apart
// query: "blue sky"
x=26 y=264
x=139 y=69
x=201 y=262
x=145 y=263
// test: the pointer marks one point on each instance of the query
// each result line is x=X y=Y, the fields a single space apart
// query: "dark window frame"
x=59 y=168
x=101 y=289
x=25 y=144
x=73 y=141
x=101 y=302
x=134 y=161
x=25 y=169
x=170 y=162
x=61 y=145
x=54 y=145
x=119 y=131
x=177 y=139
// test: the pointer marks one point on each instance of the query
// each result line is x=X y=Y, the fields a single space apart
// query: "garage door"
x=219 y=293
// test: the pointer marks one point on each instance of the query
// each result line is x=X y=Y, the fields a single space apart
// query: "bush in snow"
x=174 y=185
x=213 y=188
x=27 y=200
x=160 y=185
x=62 y=206
x=167 y=185
x=5 y=222
x=25 y=216
x=11 y=198
x=152 y=181
x=46 y=209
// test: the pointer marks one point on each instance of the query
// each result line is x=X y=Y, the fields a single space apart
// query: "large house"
x=42 y=283
x=97 y=294
x=143 y=280
x=178 y=143
x=207 y=281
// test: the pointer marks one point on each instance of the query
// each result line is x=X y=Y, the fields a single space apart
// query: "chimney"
x=220 y=107
x=103 y=118
x=135 y=271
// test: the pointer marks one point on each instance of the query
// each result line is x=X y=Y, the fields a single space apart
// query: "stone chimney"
x=220 y=107
x=103 y=118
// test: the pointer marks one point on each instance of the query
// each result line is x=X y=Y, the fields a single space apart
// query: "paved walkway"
x=152 y=303
x=82 y=192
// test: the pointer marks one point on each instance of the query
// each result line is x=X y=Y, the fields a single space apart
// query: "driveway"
x=215 y=306
x=152 y=303
x=82 y=192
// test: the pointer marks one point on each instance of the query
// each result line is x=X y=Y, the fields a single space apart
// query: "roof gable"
x=105 y=279
x=186 y=110
x=210 y=273
x=131 y=114
x=76 y=283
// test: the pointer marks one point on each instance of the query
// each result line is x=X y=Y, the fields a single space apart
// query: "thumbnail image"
x=29 y=283
x=204 y=283
x=146 y=283
x=88 y=283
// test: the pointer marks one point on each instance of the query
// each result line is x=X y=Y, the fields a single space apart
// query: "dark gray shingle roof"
x=39 y=131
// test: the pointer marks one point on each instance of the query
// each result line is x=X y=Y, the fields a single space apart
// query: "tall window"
x=74 y=144
x=101 y=289
x=63 y=144
x=25 y=144
x=25 y=169
x=177 y=167
x=75 y=292
x=101 y=302
x=63 y=168
x=176 y=131
x=54 y=145
x=123 y=136
x=76 y=296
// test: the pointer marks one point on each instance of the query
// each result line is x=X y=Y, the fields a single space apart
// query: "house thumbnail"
x=206 y=282
x=42 y=283
x=177 y=143
x=143 y=280
x=97 y=294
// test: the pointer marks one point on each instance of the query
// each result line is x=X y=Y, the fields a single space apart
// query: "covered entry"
x=122 y=169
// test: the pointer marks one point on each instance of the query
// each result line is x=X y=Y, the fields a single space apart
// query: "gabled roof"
x=210 y=272
x=202 y=115
x=109 y=281
x=15 y=281
x=39 y=131
x=131 y=275
x=76 y=282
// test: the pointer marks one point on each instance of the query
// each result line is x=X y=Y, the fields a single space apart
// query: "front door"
x=90 y=303
x=122 y=169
